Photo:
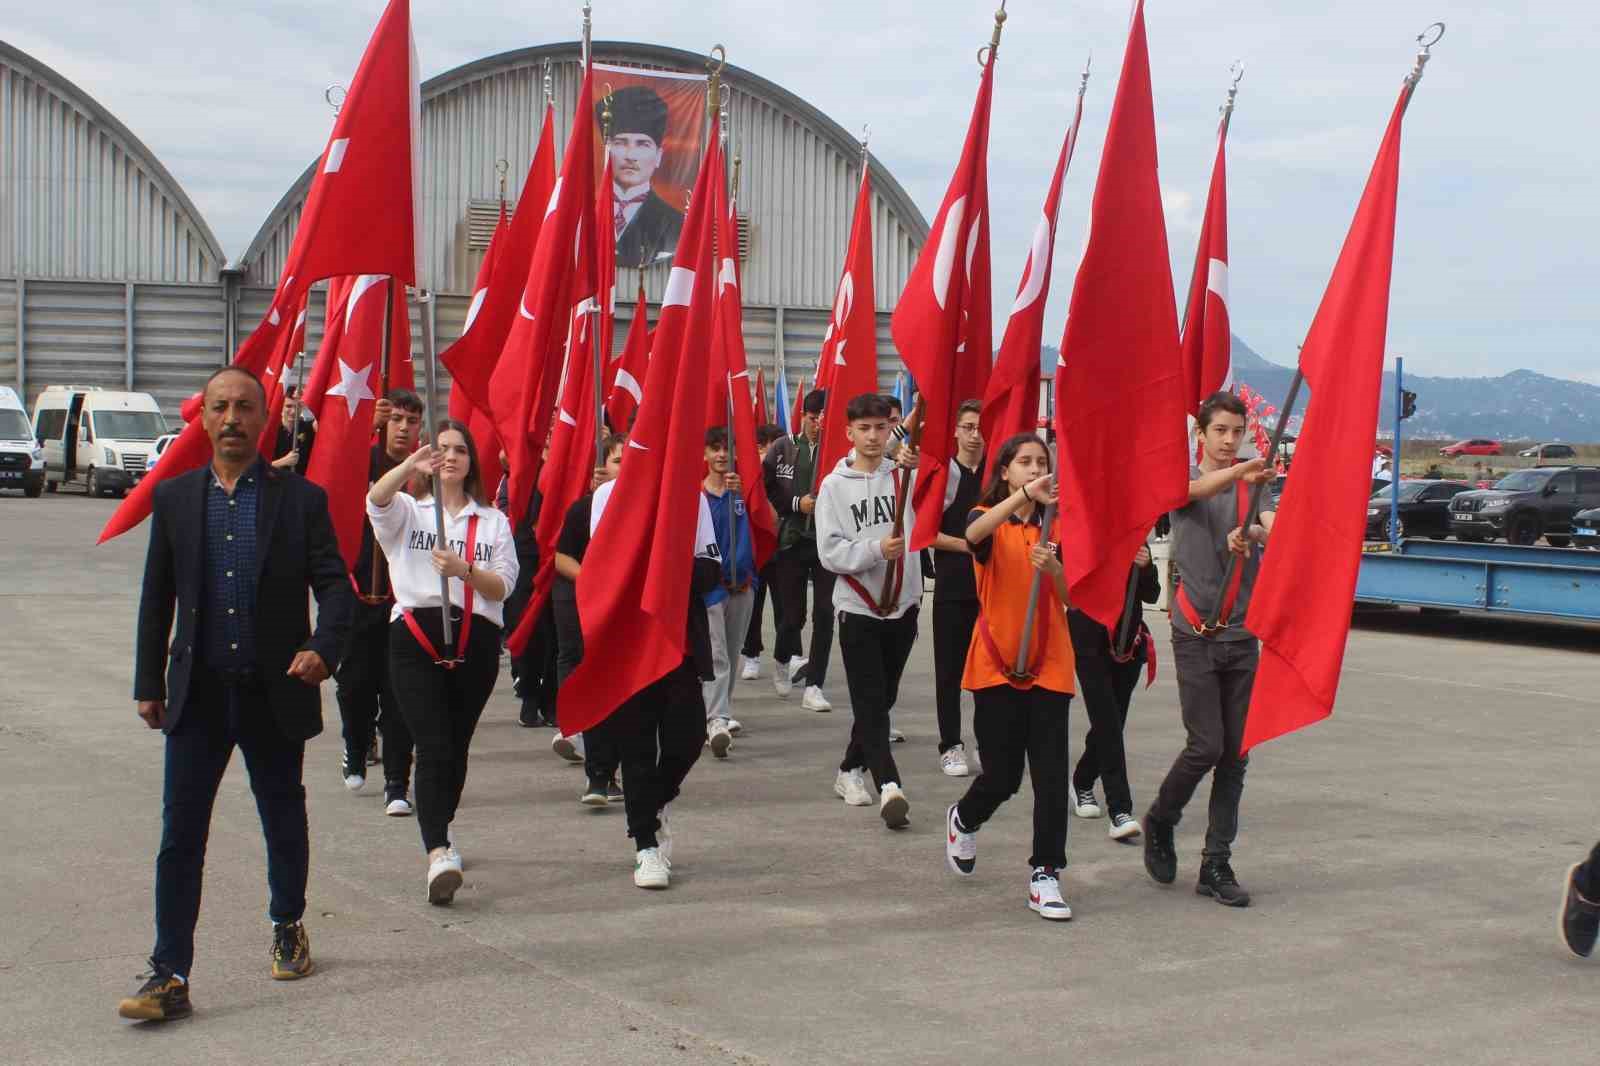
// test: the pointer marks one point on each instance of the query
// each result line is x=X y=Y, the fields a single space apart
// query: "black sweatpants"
x=1589 y=875
x=953 y=623
x=753 y=646
x=1214 y=682
x=1106 y=688
x=795 y=566
x=600 y=758
x=535 y=668
x=875 y=652
x=366 y=699
x=442 y=708
x=1014 y=726
x=658 y=734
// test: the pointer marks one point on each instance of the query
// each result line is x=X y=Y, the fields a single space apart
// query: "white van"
x=95 y=437
x=21 y=458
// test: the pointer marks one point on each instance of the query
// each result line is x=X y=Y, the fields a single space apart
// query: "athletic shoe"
x=291 y=952
x=851 y=786
x=735 y=726
x=452 y=851
x=895 y=736
x=954 y=761
x=814 y=700
x=1124 y=826
x=719 y=737
x=614 y=791
x=444 y=877
x=750 y=670
x=960 y=846
x=1217 y=881
x=396 y=805
x=664 y=834
x=1044 y=895
x=796 y=666
x=163 y=997
x=893 y=807
x=1160 y=853
x=1084 y=804
x=353 y=773
x=650 y=870
x=594 y=795
x=1580 y=917
x=569 y=748
x=780 y=681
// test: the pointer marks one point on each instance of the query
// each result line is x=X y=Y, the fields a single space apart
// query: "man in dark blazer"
x=233 y=547
x=646 y=226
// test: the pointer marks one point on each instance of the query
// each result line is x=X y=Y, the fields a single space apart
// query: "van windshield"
x=129 y=425
x=14 y=426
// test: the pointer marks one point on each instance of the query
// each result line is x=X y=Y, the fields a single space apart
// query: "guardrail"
x=1499 y=578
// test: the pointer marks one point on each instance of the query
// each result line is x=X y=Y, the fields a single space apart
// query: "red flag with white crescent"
x=627 y=377
x=761 y=398
x=1207 y=338
x=850 y=347
x=461 y=408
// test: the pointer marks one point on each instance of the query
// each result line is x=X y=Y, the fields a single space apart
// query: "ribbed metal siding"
x=75 y=334
x=8 y=332
x=178 y=340
x=78 y=198
x=796 y=186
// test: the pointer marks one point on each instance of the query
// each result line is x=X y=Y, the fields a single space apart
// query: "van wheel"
x=1523 y=529
x=33 y=491
x=1558 y=542
x=92 y=486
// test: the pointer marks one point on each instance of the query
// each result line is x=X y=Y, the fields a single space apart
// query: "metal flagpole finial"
x=716 y=60
x=605 y=114
x=549 y=83
x=986 y=53
x=502 y=167
x=866 y=135
x=1425 y=42
x=334 y=95
x=724 y=98
x=1083 y=79
x=1237 y=70
x=738 y=162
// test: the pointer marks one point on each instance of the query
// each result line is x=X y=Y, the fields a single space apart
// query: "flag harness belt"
x=466 y=612
x=1230 y=595
x=1041 y=640
x=896 y=568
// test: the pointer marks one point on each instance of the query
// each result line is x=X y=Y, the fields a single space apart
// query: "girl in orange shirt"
x=1020 y=718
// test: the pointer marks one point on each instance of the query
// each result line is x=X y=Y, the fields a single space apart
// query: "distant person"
x=233 y=547
x=1433 y=473
x=644 y=224
x=297 y=434
x=753 y=647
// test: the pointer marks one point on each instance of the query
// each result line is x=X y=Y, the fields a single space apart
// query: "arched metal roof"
x=81 y=196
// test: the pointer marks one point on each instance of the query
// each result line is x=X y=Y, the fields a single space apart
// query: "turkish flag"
x=524 y=383
x=1011 y=401
x=628 y=373
x=360 y=214
x=850 y=347
x=461 y=408
x=349 y=383
x=1207 y=341
x=729 y=367
x=344 y=294
x=472 y=358
x=1119 y=394
x=291 y=344
x=761 y=398
x=942 y=323
x=1300 y=608
x=605 y=253
x=633 y=592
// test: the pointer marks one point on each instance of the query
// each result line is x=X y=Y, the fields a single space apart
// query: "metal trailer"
x=1498 y=578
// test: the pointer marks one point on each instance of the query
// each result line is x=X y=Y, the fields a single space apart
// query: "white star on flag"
x=353 y=386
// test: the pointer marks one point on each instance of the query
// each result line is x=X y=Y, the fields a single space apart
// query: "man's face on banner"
x=634 y=159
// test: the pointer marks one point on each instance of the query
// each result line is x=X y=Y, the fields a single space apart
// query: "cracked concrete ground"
x=1405 y=859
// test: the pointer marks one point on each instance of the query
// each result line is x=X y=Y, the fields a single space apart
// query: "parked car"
x=1526 y=505
x=1275 y=490
x=1475 y=446
x=21 y=458
x=1424 y=509
x=1542 y=452
x=1586 y=528
x=157 y=448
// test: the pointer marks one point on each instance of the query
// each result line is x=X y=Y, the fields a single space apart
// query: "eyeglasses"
x=968 y=429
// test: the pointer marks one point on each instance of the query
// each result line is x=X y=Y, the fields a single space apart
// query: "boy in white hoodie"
x=857 y=540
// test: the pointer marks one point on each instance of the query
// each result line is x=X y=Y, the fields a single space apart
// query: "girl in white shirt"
x=442 y=689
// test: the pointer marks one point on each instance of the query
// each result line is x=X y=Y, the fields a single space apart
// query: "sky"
x=1499 y=213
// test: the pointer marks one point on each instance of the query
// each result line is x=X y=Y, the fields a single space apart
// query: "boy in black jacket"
x=792 y=479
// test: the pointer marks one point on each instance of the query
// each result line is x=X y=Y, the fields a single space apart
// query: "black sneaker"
x=291 y=952
x=594 y=795
x=1580 y=917
x=1217 y=881
x=1160 y=854
x=614 y=791
x=163 y=997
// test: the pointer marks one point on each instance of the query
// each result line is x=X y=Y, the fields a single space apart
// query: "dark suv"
x=1526 y=505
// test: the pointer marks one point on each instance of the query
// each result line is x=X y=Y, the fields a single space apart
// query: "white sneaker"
x=735 y=726
x=650 y=869
x=960 y=846
x=454 y=852
x=814 y=700
x=954 y=761
x=664 y=834
x=780 y=681
x=444 y=877
x=1084 y=804
x=797 y=664
x=569 y=748
x=893 y=807
x=1044 y=895
x=1124 y=826
x=354 y=782
x=720 y=737
x=851 y=786
x=399 y=807
x=750 y=670
x=895 y=736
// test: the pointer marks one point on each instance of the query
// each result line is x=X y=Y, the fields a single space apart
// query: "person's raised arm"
x=1041 y=491
x=386 y=487
x=1252 y=472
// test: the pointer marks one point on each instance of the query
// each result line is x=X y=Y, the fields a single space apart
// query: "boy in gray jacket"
x=857 y=540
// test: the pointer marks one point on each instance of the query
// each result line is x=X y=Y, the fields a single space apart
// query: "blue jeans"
x=216 y=718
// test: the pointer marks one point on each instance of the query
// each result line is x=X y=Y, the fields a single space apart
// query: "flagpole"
x=716 y=101
x=1048 y=520
x=604 y=288
x=1425 y=41
x=588 y=31
x=1237 y=70
x=424 y=298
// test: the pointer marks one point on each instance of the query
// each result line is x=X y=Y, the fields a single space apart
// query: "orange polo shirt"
x=1004 y=576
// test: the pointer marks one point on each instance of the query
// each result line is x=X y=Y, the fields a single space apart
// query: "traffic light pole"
x=1394 y=467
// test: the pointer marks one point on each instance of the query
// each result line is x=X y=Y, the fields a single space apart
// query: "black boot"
x=1160 y=854
x=1217 y=881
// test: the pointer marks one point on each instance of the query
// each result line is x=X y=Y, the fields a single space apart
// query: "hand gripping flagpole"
x=424 y=299
x=1425 y=42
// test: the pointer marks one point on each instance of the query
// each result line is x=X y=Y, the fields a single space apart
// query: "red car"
x=1475 y=446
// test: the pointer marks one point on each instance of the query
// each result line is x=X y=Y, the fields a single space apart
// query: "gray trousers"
x=1214 y=682
x=729 y=622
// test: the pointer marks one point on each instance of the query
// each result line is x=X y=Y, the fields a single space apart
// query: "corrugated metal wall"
x=798 y=182
x=81 y=197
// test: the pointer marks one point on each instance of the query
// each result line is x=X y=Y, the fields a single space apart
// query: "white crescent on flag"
x=1217 y=280
x=944 y=260
x=1033 y=281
